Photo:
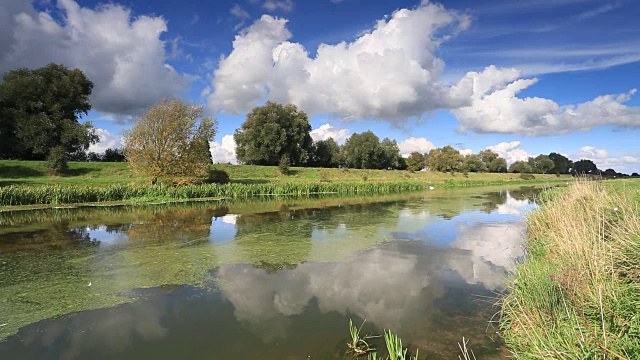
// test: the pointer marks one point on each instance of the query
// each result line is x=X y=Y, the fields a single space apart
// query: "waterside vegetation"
x=26 y=183
x=577 y=295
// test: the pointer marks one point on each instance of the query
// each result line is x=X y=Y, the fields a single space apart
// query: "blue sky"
x=521 y=77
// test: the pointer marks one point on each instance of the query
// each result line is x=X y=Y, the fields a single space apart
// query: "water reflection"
x=404 y=262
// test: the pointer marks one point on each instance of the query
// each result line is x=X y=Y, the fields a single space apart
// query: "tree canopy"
x=366 y=151
x=561 y=164
x=169 y=141
x=521 y=167
x=40 y=109
x=326 y=153
x=445 y=159
x=274 y=131
x=415 y=161
x=585 y=166
x=541 y=164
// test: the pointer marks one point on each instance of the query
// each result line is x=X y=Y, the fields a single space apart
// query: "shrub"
x=527 y=177
x=218 y=177
x=57 y=161
x=284 y=166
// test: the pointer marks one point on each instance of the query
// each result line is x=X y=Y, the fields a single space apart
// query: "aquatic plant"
x=358 y=345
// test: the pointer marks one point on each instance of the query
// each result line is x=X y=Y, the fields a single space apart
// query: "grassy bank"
x=577 y=295
x=26 y=183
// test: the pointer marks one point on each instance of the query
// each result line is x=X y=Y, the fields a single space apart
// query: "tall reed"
x=58 y=194
x=577 y=295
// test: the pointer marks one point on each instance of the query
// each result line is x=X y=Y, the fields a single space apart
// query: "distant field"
x=102 y=174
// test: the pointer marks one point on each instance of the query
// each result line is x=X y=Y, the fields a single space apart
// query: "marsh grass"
x=577 y=295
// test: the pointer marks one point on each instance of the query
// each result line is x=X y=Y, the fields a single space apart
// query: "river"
x=274 y=279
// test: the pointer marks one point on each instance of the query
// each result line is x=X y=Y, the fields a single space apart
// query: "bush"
x=527 y=177
x=218 y=177
x=57 y=161
x=284 y=166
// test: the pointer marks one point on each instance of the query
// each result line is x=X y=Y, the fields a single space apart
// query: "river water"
x=275 y=279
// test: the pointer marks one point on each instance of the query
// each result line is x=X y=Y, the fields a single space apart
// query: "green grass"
x=577 y=295
x=26 y=183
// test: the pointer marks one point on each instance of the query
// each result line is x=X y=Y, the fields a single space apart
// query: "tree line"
x=41 y=109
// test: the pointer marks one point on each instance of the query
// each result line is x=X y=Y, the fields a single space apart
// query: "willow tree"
x=171 y=140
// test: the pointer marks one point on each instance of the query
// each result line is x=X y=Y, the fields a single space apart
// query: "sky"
x=520 y=77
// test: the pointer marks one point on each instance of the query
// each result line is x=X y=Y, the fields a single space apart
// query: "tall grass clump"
x=73 y=194
x=577 y=294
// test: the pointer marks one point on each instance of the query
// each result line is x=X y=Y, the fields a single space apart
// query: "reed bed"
x=72 y=194
x=577 y=294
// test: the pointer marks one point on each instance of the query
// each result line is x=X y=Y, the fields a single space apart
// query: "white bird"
x=89 y=283
x=431 y=188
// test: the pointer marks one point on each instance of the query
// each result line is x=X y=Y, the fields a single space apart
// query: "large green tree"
x=474 y=163
x=415 y=161
x=366 y=151
x=493 y=161
x=521 y=167
x=445 y=159
x=40 y=109
x=273 y=132
x=541 y=164
x=561 y=164
x=326 y=153
x=171 y=140
x=585 y=166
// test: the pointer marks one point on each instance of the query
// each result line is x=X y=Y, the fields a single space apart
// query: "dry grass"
x=577 y=294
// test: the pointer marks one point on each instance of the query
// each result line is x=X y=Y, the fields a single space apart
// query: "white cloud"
x=225 y=151
x=390 y=72
x=327 y=131
x=414 y=144
x=497 y=109
x=239 y=12
x=273 y=5
x=625 y=163
x=466 y=152
x=107 y=141
x=510 y=151
x=123 y=56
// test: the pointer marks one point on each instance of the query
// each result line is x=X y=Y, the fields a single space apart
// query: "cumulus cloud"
x=107 y=141
x=626 y=163
x=123 y=56
x=496 y=108
x=225 y=151
x=466 y=152
x=327 y=131
x=511 y=151
x=390 y=72
x=414 y=144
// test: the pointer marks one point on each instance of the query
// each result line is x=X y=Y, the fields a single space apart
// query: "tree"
x=493 y=161
x=391 y=158
x=473 y=163
x=635 y=174
x=415 y=161
x=521 y=167
x=271 y=132
x=169 y=141
x=561 y=164
x=541 y=164
x=40 y=109
x=445 y=159
x=326 y=153
x=585 y=166
x=610 y=173
x=363 y=151
x=113 y=155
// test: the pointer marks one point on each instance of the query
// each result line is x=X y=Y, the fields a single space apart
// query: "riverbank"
x=577 y=295
x=26 y=183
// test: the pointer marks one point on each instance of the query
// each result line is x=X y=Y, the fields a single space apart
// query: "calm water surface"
x=276 y=279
